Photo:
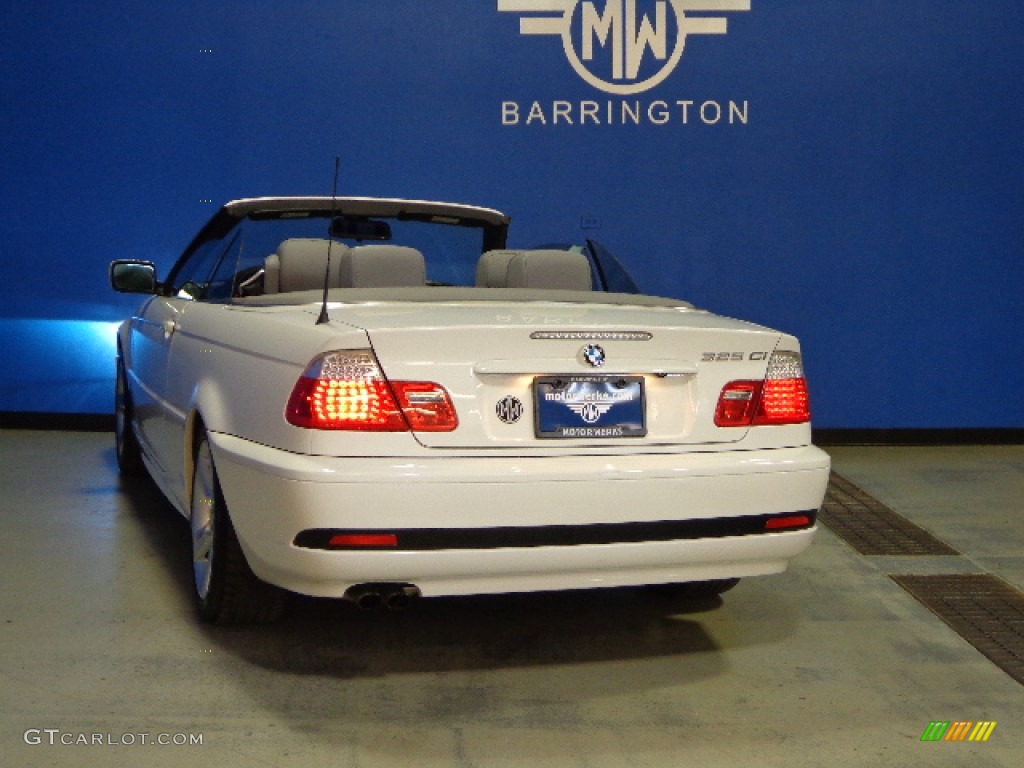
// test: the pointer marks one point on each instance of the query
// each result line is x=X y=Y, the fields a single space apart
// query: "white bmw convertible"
x=375 y=399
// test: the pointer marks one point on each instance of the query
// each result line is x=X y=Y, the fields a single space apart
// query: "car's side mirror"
x=133 y=276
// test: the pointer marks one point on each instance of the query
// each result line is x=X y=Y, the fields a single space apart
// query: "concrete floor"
x=830 y=664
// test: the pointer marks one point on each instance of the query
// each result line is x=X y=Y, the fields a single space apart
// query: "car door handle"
x=170 y=326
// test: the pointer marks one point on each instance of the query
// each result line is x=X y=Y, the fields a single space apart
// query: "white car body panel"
x=231 y=366
x=499 y=492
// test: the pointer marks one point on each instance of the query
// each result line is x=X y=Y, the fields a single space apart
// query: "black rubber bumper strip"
x=423 y=539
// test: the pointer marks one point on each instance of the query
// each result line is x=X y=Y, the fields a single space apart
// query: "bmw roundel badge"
x=593 y=355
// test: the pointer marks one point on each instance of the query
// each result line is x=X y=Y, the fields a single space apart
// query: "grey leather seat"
x=299 y=265
x=382 y=266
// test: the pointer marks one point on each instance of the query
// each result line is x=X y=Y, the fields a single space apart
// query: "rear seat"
x=492 y=269
x=382 y=266
x=542 y=269
x=299 y=265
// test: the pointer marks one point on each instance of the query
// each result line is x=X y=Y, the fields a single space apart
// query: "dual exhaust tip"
x=394 y=597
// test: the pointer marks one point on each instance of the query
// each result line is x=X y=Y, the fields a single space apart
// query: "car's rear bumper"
x=274 y=495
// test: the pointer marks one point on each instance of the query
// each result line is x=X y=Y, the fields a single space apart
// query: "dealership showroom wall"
x=851 y=173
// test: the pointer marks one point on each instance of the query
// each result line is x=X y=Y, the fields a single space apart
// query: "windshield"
x=240 y=261
x=290 y=249
x=450 y=251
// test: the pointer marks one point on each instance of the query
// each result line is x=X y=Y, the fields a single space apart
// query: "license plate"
x=589 y=406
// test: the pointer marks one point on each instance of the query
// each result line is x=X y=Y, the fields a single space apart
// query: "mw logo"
x=622 y=47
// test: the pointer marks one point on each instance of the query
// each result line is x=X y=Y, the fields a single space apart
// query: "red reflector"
x=790 y=521
x=363 y=540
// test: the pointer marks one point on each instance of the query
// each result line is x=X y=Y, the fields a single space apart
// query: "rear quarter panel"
x=234 y=368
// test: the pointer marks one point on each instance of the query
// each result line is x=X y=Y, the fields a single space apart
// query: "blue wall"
x=871 y=202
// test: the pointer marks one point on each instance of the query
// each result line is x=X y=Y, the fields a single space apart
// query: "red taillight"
x=344 y=404
x=426 y=406
x=738 y=403
x=780 y=399
x=783 y=401
x=348 y=391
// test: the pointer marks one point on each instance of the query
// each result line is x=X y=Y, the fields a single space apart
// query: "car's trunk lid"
x=524 y=375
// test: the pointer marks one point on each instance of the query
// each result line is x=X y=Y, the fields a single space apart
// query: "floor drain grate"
x=984 y=610
x=870 y=527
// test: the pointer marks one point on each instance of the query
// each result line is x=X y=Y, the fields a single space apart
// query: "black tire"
x=227 y=591
x=126 y=444
x=696 y=590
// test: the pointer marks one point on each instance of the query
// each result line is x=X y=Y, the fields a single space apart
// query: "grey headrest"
x=563 y=270
x=301 y=262
x=382 y=266
x=492 y=269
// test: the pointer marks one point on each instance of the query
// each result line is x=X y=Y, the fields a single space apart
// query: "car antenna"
x=323 y=318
